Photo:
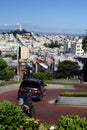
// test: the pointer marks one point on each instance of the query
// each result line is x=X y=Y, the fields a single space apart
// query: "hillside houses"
x=71 y=48
x=36 y=42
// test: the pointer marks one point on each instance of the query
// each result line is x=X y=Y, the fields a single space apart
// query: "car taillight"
x=35 y=91
x=22 y=89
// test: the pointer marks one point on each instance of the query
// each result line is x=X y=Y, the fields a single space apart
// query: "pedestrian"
x=27 y=98
x=24 y=75
x=27 y=105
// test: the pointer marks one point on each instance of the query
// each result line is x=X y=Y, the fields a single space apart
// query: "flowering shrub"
x=31 y=124
x=72 y=122
x=12 y=118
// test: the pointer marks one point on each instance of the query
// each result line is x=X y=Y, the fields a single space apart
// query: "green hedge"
x=43 y=75
x=5 y=83
x=74 y=94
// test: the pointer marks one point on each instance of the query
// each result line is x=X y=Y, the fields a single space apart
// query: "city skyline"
x=59 y=16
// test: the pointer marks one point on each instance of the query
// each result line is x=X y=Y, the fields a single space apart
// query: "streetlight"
x=17 y=58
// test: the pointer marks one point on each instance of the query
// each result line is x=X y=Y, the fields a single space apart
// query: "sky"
x=58 y=16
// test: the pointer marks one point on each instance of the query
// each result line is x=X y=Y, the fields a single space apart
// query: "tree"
x=9 y=73
x=84 y=71
x=84 y=44
x=3 y=64
x=5 y=72
x=53 y=44
x=69 y=68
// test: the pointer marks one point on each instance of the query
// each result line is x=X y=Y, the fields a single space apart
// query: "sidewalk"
x=60 y=86
x=9 y=87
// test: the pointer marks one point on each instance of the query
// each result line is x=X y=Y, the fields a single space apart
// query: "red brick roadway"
x=50 y=113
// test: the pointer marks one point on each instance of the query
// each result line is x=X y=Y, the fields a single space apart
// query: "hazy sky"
x=46 y=15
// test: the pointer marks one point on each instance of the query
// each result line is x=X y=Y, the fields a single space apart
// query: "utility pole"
x=17 y=61
x=17 y=58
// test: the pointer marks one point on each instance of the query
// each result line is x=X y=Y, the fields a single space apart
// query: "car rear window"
x=30 y=84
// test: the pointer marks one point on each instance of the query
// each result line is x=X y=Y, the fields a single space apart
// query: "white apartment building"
x=76 y=49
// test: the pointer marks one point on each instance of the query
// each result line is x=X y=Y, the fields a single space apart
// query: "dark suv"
x=36 y=86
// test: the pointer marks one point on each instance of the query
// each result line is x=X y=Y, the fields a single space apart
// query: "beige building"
x=23 y=52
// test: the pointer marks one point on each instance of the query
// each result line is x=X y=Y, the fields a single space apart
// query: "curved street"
x=46 y=112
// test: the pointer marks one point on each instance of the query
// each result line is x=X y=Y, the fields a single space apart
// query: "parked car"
x=37 y=87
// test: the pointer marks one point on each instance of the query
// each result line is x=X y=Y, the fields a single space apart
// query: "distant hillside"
x=37 y=32
x=5 y=30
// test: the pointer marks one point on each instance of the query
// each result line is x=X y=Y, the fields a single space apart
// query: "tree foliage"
x=5 y=72
x=23 y=31
x=3 y=64
x=84 y=71
x=53 y=44
x=69 y=68
x=84 y=44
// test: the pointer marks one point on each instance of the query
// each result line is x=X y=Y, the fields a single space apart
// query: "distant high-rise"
x=20 y=27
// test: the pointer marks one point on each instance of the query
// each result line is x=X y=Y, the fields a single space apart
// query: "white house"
x=76 y=49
